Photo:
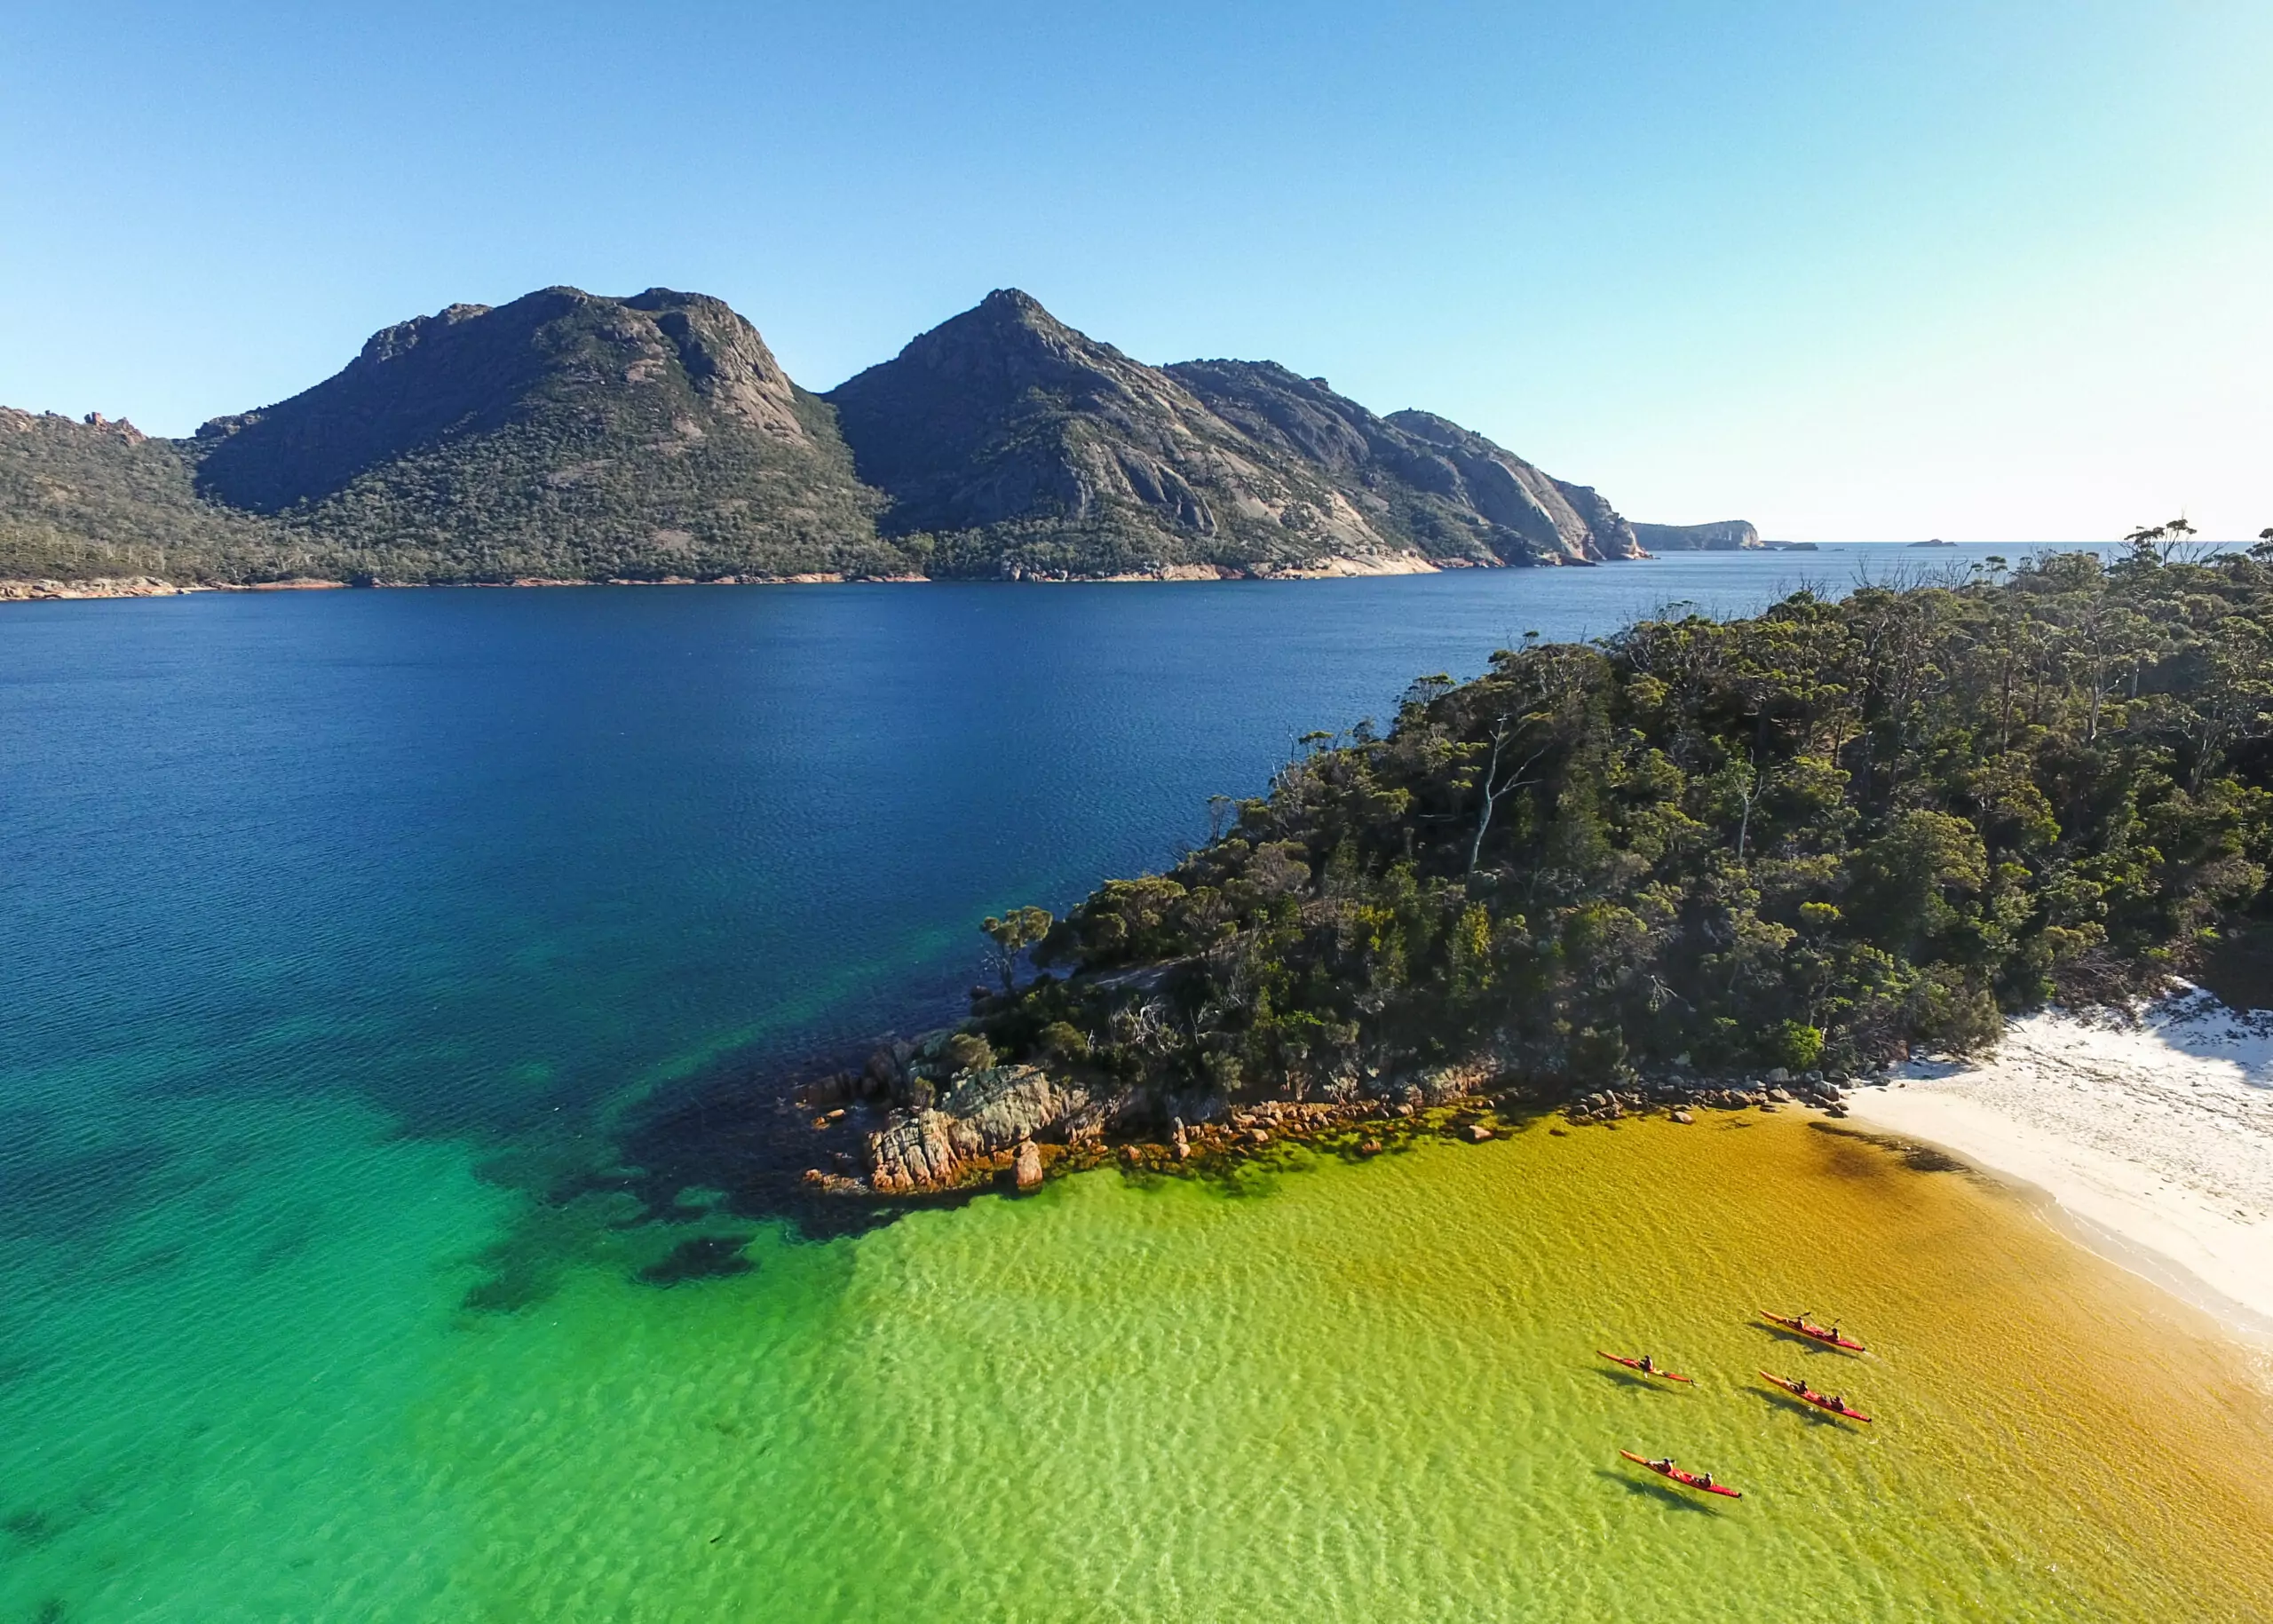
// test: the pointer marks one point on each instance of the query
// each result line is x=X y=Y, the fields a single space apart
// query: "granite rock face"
x=1554 y=517
x=1028 y=448
x=1722 y=536
x=985 y=1114
x=1024 y=447
x=1444 y=491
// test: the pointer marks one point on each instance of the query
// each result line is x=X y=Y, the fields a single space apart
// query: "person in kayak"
x=1665 y=1465
x=1646 y=1367
x=1705 y=1480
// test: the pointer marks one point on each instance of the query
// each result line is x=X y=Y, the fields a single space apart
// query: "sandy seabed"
x=2154 y=1133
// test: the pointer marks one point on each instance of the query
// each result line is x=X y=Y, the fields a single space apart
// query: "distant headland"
x=570 y=439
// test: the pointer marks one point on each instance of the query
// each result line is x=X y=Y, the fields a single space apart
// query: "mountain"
x=561 y=435
x=567 y=436
x=1019 y=445
x=1724 y=536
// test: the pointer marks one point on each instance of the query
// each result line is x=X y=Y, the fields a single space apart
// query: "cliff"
x=1444 y=491
x=1722 y=536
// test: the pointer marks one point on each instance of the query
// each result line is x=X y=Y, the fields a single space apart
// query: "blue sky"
x=1997 y=272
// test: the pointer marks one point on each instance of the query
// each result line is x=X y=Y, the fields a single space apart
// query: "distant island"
x=567 y=437
x=1724 y=536
x=1696 y=863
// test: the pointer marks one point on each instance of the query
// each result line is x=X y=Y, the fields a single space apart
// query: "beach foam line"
x=2155 y=1134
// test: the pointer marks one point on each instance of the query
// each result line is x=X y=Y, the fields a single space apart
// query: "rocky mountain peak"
x=558 y=364
x=1004 y=415
x=725 y=359
x=1007 y=337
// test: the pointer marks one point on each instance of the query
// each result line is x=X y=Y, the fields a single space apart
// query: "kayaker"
x=1665 y=1465
x=1647 y=1367
x=1705 y=1480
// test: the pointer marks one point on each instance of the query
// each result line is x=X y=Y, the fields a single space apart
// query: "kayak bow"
x=1815 y=1333
x=1636 y=1364
x=1808 y=1395
x=1687 y=1480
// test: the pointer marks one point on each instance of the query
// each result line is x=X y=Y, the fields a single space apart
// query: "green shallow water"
x=1335 y=1391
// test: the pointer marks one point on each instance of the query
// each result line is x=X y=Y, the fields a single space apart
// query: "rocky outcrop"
x=1722 y=536
x=99 y=586
x=933 y=1139
x=985 y=1114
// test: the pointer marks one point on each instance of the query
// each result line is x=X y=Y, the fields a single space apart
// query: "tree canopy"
x=1812 y=838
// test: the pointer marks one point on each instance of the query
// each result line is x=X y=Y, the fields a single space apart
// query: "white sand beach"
x=2155 y=1134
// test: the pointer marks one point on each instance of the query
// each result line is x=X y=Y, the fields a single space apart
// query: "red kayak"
x=1808 y=1395
x=1636 y=1365
x=1820 y=1333
x=1688 y=1480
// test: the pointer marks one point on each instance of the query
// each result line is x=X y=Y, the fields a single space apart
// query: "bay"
x=343 y=932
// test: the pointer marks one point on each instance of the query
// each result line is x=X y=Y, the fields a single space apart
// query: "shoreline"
x=55 y=590
x=2149 y=1142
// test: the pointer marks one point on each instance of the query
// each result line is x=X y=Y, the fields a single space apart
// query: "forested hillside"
x=1809 y=839
x=80 y=500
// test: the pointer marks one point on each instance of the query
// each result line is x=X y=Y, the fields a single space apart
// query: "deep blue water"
x=490 y=860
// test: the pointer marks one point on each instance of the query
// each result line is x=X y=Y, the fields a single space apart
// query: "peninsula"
x=566 y=438
x=1695 y=863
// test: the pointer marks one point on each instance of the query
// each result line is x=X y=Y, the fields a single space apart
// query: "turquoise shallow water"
x=340 y=930
x=1332 y=1391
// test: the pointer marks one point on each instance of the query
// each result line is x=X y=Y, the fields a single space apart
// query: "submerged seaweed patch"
x=701 y=1257
x=1918 y=1157
x=32 y=1527
x=76 y=1196
x=525 y=1267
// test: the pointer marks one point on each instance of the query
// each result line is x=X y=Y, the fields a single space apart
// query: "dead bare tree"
x=1504 y=727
